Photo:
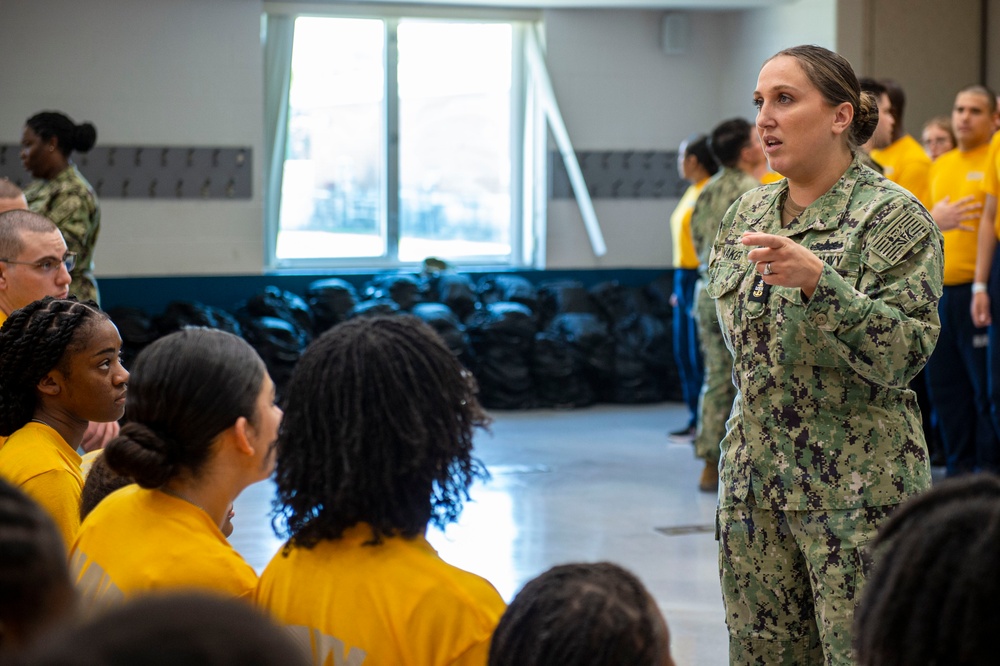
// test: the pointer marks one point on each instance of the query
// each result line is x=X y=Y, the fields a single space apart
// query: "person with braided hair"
x=826 y=286
x=582 y=614
x=932 y=599
x=376 y=445
x=202 y=427
x=60 y=192
x=61 y=370
x=35 y=263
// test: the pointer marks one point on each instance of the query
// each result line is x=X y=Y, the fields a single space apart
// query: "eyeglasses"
x=48 y=265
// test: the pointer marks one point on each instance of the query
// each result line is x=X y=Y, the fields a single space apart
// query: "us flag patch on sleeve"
x=896 y=236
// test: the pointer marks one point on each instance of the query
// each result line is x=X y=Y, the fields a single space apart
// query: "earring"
x=51 y=148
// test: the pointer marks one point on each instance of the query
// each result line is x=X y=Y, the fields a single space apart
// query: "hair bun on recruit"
x=865 y=118
x=141 y=453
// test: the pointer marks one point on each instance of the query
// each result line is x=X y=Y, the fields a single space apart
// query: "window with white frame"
x=404 y=138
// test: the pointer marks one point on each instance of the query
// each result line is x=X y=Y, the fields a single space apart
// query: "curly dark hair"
x=932 y=598
x=33 y=341
x=378 y=428
x=595 y=614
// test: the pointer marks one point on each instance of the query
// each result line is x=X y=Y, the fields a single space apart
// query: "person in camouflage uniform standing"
x=61 y=193
x=738 y=151
x=827 y=285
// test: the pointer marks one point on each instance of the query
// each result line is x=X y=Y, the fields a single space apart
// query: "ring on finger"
x=767 y=268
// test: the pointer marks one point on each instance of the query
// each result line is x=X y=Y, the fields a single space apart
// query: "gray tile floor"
x=602 y=483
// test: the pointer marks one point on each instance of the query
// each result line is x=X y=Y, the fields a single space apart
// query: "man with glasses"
x=34 y=262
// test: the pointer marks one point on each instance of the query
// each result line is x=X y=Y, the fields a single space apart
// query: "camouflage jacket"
x=69 y=201
x=715 y=199
x=823 y=418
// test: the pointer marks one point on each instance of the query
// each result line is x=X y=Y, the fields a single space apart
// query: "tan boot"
x=709 y=482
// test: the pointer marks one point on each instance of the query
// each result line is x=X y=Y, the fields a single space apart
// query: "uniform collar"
x=768 y=218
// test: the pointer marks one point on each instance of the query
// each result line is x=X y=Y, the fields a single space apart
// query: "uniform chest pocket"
x=797 y=341
x=724 y=277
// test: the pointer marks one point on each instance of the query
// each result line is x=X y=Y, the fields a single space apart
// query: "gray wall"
x=189 y=72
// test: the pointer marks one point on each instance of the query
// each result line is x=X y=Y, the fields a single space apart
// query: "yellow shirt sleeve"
x=59 y=494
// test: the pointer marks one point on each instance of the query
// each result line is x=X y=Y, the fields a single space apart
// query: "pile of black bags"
x=558 y=345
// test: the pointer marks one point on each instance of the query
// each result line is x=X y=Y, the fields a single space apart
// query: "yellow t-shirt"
x=907 y=165
x=991 y=179
x=958 y=174
x=139 y=541
x=38 y=460
x=396 y=603
x=685 y=255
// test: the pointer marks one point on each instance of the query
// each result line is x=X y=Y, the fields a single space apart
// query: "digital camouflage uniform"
x=69 y=201
x=717 y=390
x=825 y=437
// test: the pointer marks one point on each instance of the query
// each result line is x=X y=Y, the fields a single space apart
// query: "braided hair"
x=378 y=429
x=35 y=585
x=185 y=389
x=932 y=598
x=34 y=340
x=582 y=615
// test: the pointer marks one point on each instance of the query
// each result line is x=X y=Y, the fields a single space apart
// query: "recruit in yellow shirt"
x=396 y=603
x=907 y=165
x=38 y=460
x=137 y=541
x=958 y=174
x=685 y=255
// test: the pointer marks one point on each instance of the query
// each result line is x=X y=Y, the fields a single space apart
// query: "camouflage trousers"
x=791 y=581
x=717 y=391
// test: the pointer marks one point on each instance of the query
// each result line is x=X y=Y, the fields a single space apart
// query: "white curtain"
x=279 y=33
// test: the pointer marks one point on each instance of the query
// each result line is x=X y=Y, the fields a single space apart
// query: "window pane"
x=332 y=202
x=455 y=144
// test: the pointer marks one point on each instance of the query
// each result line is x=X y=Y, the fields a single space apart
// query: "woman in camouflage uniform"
x=60 y=193
x=826 y=287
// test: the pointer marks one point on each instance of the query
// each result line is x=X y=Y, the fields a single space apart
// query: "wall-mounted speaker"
x=675 y=33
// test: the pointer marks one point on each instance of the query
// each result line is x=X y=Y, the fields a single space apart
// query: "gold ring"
x=767 y=268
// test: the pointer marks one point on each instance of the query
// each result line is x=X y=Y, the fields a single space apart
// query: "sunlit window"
x=402 y=143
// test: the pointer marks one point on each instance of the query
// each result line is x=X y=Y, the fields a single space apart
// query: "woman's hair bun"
x=84 y=137
x=865 y=118
x=142 y=453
